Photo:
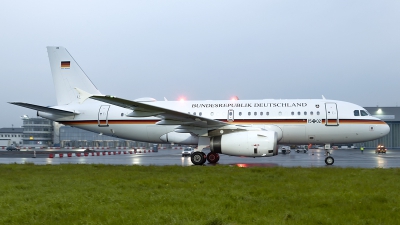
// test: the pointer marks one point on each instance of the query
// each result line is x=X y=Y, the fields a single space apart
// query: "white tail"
x=68 y=77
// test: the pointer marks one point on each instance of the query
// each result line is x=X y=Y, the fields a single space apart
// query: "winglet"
x=83 y=95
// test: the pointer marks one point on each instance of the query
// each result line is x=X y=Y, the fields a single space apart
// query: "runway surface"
x=313 y=158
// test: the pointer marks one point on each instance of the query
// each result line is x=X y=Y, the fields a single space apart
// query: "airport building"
x=11 y=136
x=37 y=132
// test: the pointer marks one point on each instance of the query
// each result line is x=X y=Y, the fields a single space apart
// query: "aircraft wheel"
x=298 y=151
x=329 y=160
x=212 y=157
x=198 y=158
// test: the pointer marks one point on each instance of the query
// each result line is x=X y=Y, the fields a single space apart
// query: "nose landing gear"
x=329 y=160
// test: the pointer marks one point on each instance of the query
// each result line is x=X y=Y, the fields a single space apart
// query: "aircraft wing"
x=45 y=109
x=168 y=116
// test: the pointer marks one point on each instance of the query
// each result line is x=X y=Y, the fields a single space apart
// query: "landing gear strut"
x=212 y=157
x=198 y=158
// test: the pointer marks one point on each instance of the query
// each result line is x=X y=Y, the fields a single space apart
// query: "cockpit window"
x=356 y=113
x=363 y=113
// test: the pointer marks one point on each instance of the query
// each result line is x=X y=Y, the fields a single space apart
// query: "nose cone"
x=384 y=129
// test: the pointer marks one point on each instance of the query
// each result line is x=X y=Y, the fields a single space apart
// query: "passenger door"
x=331 y=114
x=103 y=116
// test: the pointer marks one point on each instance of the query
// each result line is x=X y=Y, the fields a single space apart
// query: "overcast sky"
x=202 y=50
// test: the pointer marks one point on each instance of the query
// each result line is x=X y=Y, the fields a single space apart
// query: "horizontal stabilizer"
x=45 y=109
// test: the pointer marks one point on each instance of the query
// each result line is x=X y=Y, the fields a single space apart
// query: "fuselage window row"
x=356 y=113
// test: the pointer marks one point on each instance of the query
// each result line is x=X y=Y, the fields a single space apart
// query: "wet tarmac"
x=313 y=158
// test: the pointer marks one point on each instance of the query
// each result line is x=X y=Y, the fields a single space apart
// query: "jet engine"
x=246 y=143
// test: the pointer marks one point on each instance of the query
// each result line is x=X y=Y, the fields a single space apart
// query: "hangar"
x=391 y=115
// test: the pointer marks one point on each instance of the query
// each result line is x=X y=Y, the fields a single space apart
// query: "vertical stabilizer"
x=67 y=76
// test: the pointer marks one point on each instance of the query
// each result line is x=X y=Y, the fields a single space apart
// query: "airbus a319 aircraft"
x=252 y=128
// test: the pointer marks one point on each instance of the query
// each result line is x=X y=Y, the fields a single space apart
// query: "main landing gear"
x=199 y=158
x=212 y=157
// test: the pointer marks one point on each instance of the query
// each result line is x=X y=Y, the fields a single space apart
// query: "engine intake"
x=246 y=143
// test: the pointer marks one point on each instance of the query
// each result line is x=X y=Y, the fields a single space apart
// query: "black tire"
x=298 y=151
x=198 y=158
x=329 y=160
x=212 y=157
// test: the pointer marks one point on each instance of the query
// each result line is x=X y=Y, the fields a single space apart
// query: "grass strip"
x=108 y=194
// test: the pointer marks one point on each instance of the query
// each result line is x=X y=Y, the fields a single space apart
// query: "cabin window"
x=200 y=113
x=280 y=113
x=249 y=113
x=311 y=113
x=363 y=113
x=292 y=113
x=317 y=112
x=194 y=113
x=267 y=114
x=240 y=113
x=356 y=113
x=298 y=113
x=255 y=113
x=261 y=113
x=305 y=113
x=122 y=114
x=212 y=113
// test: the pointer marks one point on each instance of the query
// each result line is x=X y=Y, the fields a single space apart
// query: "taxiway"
x=313 y=158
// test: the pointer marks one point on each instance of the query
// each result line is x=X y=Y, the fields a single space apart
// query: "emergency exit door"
x=103 y=116
x=331 y=114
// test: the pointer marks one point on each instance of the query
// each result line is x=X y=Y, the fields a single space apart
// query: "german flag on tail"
x=65 y=64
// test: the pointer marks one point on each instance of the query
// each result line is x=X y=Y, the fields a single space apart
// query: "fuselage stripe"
x=238 y=122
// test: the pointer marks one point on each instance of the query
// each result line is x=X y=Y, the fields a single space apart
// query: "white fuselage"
x=298 y=121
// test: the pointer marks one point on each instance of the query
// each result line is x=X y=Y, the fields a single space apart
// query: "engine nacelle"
x=246 y=143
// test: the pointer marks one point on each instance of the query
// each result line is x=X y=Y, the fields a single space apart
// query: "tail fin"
x=67 y=76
